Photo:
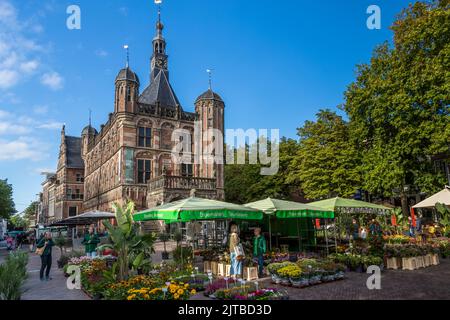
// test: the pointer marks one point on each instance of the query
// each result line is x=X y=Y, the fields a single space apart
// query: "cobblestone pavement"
x=432 y=283
x=55 y=289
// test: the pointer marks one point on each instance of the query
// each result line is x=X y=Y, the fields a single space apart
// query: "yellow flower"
x=193 y=292
x=180 y=292
x=176 y=296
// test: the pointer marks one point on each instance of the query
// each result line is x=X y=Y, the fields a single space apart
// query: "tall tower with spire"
x=159 y=60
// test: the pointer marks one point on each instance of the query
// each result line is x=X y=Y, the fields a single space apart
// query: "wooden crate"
x=393 y=263
x=427 y=260
x=420 y=263
x=214 y=267
x=228 y=270
x=251 y=273
x=434 y=259
x=409 y=264
x=207 y=266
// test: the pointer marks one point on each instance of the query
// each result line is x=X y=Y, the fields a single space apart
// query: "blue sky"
x=276 y=63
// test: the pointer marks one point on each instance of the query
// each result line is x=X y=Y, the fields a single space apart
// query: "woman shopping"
x=236 y=253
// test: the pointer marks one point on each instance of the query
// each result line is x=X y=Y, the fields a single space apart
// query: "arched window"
x=128 y=94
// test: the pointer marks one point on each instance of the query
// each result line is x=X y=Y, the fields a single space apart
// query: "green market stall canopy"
x=198 y=209
x=288 y=209
x=341 y=205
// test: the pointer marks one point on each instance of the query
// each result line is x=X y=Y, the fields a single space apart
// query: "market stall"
x=440 y=197
x=282 y=209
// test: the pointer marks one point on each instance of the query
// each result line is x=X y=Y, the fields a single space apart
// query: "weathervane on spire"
x=159 y=3
x=126 y=47
x=209 y=71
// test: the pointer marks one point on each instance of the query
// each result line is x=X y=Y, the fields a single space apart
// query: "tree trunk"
x=404 y=200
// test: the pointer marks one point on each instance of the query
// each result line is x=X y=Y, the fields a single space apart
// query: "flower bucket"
x=315 y=280
x=285 y=282
x=328 y=278
x=276 y=279
x=340 y=275
x=300 y=283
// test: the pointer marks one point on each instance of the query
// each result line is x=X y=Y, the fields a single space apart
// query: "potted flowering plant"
x=284 y=274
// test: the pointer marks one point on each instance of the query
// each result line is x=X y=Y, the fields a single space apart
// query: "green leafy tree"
x=19 y=222
x=399 y=104
x=244 y=182
x=326 y=163
x=30 y=211
x=7 y=207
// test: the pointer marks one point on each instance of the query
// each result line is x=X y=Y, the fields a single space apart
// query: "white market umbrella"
x=440 y=197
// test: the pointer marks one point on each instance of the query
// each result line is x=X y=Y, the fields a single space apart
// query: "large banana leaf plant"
x=444 y=219
x=133 y=247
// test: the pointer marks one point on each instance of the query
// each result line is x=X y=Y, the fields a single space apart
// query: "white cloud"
x=18 y=52
x=29 y=66
x=51 y=125
x=40 y=110
x=23 y=148
x=8 y=78
x=4 y=114
x=101 y=53
x=13 y=129
x=52 y=80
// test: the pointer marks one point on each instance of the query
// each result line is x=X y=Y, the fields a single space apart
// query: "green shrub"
x=12 y=275
x=183 y=256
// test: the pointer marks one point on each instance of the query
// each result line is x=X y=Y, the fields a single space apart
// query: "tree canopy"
x=7 y=207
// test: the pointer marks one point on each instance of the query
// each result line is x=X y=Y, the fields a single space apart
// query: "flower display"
x=174 y=291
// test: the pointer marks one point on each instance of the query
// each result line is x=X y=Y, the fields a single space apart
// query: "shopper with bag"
x=44 y=249
x=236 y=253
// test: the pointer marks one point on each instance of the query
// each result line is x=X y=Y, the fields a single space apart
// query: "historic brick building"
x=130 y=157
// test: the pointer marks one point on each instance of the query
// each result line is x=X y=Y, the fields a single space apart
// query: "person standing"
x=32 y=240
x=236 y=262
x=46 y=258
x=411 y=227
x=355 y=229
x=259 y=249
x=90 y=242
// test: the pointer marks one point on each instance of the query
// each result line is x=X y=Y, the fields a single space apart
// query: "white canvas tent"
x=440 y=197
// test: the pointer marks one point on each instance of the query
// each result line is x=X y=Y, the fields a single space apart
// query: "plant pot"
x=276 y=279
x=299 y=283
x=285 y=282
x=165 y=255
x=427 y=260
x=315 y=280
x=328 y=278
x=340 y=275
